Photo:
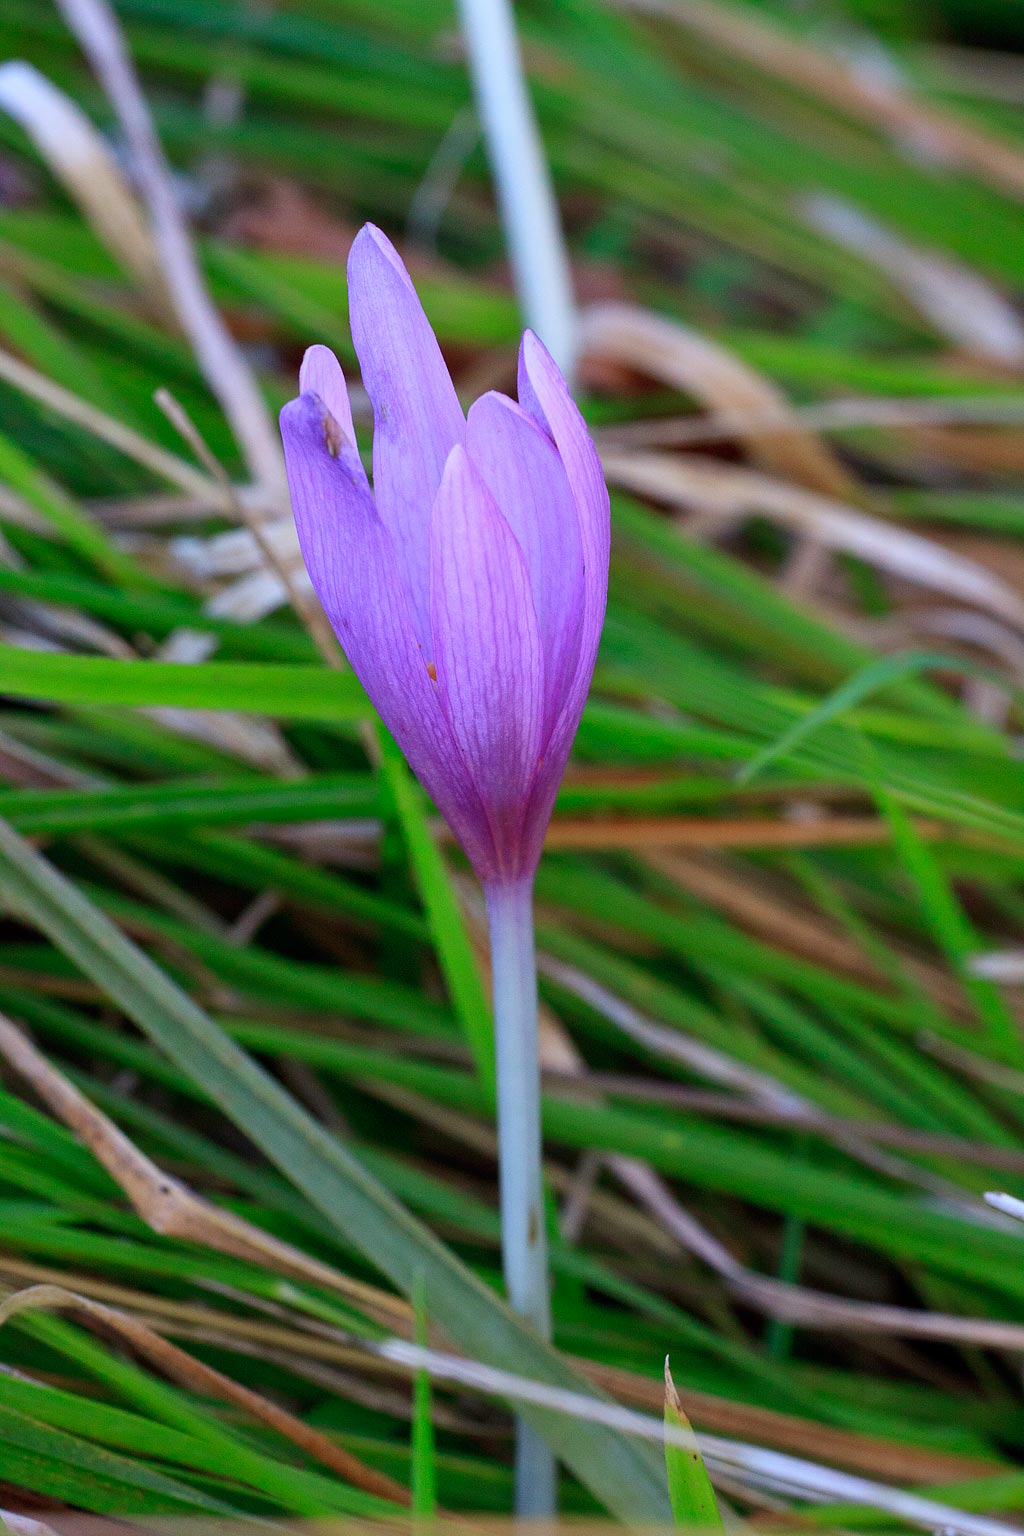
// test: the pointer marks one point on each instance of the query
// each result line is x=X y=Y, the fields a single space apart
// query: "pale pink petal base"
x=487 y=649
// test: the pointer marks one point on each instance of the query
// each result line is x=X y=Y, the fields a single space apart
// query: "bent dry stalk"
x=468 y=589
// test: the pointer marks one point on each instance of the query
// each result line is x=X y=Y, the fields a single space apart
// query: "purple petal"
x=524 y=474
x=545 y=395
x=351 y=562
x=487 y=649
x=417 y=416
x=321 y=375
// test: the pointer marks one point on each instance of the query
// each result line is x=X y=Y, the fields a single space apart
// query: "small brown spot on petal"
x=333 y=435
x=432 y=671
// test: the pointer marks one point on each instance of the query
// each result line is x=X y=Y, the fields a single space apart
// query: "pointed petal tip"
x=540 y=382
x=495 y=398
x=460 y=480
x=534 y=354
x=321 y=374
x=372 y=231
x=318 y=361
x=370 y=245
x=417 y=415
x=457 y=465
x=529 y=340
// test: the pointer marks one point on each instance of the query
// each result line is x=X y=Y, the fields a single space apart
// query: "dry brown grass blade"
x=166 y=466
x=844 y=1448
x=841 y=415
x=337 y=842
x=221 y=360
x=800 y=1305
x=714 y=489
x=869 y=98
x=976 y=449
x=665 y=350
x=299 y=592
x=706 y=1061
x=168 y=1206
x=409 y=1358
x=353 y=844
x=198 y=1377
x=853 y=1450
x=188 y=1320
x=962 y=305
x=307 y=1339
x=78 y=155
x=663 y=832
x=763 y=911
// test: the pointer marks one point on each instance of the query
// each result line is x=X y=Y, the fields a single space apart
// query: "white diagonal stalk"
x=526 y=196
x=523 y=1236
x=221 y=360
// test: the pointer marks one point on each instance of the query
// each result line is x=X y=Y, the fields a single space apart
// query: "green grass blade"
x=424 y=1453
x=694 y=1507
x=294 y=692
x=447 y=924
x=623 y=1475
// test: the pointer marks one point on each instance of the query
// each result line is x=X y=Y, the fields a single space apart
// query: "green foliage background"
x=314 y=1059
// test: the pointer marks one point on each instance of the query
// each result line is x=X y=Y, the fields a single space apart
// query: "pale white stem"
x=1009 y=1204
x=525 y=193
x=523 y=1236
x=430 y=200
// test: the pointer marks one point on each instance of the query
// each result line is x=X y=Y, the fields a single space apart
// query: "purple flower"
x=468 y=587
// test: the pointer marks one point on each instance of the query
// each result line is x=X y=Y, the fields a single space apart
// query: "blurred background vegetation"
x=781 y=918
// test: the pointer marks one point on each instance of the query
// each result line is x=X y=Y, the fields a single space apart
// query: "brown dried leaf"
x=714 y=489
x=203 y=1379
x=168 y=1206
x=666 y=350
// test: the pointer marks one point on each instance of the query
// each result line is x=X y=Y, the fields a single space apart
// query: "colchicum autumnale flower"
x=468 y=587
x=468 y=590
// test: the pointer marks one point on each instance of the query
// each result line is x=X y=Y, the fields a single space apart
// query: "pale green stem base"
x=524 y=1240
